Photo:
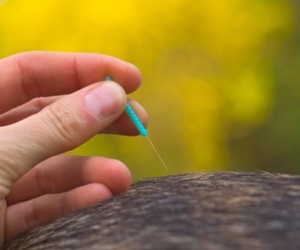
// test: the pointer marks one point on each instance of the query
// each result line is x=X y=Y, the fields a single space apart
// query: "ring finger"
x=48 y=208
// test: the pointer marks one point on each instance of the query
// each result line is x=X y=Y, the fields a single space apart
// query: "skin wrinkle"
x=75 y=68
x=63 y=205
x=8 y=171
x=30 y=108
x=112 y=167
x=30 y=219
x=6 y=74
x=19 y=164
x=83 y=176
x=30 y=84
x=43 y=181
x=65 y=127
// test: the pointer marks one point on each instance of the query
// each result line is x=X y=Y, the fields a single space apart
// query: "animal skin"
x=183 y=212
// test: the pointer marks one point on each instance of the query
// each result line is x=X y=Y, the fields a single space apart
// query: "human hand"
x=52 y=103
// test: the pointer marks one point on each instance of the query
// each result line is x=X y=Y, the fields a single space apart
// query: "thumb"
x=62 y=126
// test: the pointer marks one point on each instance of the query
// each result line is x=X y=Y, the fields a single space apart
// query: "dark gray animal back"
x=192 y=211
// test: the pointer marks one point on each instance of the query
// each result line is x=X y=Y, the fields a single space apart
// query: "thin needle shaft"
x=157 y=153
x=138 y=124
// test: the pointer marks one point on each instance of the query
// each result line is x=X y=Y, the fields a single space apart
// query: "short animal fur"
x=184 y=212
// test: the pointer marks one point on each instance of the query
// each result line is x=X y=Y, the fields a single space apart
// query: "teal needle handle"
x=136 y=121
x=134 y=118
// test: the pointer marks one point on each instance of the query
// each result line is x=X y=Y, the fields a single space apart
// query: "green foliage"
x=208 y=68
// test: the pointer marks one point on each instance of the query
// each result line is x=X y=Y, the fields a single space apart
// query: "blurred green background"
x=220 y=78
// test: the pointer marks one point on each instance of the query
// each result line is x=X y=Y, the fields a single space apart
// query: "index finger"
x=33 y=74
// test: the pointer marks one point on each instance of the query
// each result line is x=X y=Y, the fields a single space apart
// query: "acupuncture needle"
x=139 y=126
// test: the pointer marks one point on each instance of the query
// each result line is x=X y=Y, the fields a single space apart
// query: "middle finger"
x=63 y=173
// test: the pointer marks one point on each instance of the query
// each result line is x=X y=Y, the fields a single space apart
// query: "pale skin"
x=51 y=103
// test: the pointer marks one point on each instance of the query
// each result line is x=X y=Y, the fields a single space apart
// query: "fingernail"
x=104 y=100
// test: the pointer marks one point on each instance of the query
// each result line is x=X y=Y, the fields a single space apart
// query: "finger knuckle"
x=38 y=103
x=63 y=121
x=31 y=218
x=44 y=181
